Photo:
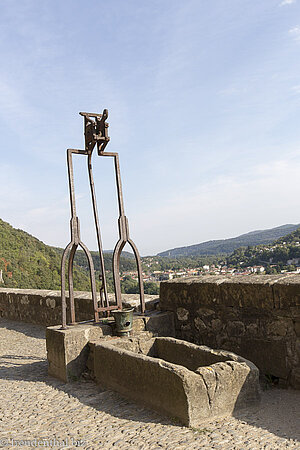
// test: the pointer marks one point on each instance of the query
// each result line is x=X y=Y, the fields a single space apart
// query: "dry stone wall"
x=257 y=317
x=44 y=307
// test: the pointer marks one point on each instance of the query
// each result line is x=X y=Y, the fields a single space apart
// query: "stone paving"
x=37 y=411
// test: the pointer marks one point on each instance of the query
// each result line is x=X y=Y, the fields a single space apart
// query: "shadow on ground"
x=24 y=368
x=28 y=329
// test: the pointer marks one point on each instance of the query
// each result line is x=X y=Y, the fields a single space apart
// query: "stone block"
x=67 y=350
x=252 y=330
x=247 y=292
x=297 y=327
x=133 y=301
x=190 y=292
x=279 y=327
x=159 y=323
x=295 y=378
x=180 y=379
x=235 y=328
x=182 y=314
x=287 y=292
x=200 y=325
x=270 y=356
x=216 y=325
x=297 y=347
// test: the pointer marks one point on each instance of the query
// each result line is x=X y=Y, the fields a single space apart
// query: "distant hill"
x=227 y=246
x=124 y=253
x=127 y=260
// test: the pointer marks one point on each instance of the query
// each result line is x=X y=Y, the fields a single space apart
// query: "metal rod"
x=116 y=271
x=103 y=289
x=92 y=278
x=71 y=183
x=119 y=185
x=140 y=275
x=71 y=284
x=63 y=286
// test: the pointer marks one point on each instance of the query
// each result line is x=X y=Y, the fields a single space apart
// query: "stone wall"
x=257 y=317
x=44 y=307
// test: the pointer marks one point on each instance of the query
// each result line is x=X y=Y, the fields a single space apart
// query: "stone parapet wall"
x=257 y=317
x=44 y=307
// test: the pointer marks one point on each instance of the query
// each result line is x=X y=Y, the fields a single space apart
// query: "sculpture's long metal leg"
x=140 y=276
x=63 y=286
x=71 y=284
x=92 y=278
x=116 y=271
x=103 y=289
x=124 y=238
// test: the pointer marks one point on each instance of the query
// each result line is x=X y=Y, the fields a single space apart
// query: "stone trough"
x=185 y=381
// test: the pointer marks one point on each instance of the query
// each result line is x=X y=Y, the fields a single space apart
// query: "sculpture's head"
x=96 y=131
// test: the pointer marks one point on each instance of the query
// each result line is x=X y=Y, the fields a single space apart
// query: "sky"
x=203 y=99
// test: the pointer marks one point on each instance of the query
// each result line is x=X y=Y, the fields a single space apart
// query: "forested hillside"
x=282 y=254
x=27 y=262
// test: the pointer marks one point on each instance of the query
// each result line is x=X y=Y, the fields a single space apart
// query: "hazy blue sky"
x=203 y=99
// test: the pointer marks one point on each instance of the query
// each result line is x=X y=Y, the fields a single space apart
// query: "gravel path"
x=37 y=411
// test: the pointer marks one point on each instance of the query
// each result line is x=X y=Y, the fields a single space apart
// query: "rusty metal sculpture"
x=96 y=134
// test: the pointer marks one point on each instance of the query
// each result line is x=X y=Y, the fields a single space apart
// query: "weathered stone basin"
x=183 y=380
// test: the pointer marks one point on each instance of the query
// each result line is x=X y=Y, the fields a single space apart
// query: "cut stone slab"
x=160 y=323
x=174 y=377
x=68 y=350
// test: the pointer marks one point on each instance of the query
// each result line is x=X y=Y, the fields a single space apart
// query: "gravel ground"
x=37 y=411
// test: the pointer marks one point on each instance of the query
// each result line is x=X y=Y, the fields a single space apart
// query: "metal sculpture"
x=96 y=134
